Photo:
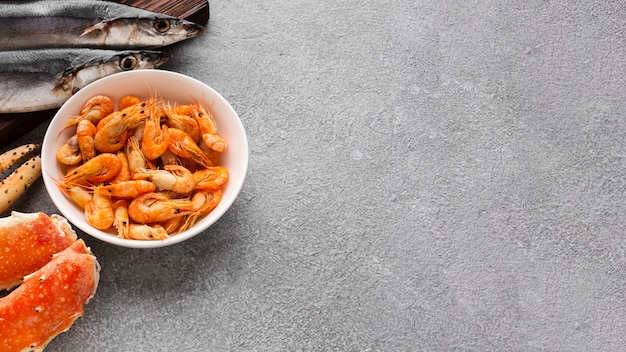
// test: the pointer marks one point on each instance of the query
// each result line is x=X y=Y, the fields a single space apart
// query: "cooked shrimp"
x=138 y=132
x=203 y=203
x=173 y=225
x=155 y=138
x=169 y=158
x=79 y=195
x=157 y=207
x=102 y=168
x=112 y=136
x=127 y=189
x=184 y=109
x=210 y=153
x=124 y=174
x=136 y=160
x=94 y=110
x=146 y=232
x=171 y=178
x=69 y=153
x=210 y=178
x=208 y=128
x=99 y=211
x=121 y=220
x=205 y=119
x=184 y=146
x=85 y=132
x=128 y=100
x=108 y=118
x=215 y=142
x=184 y=123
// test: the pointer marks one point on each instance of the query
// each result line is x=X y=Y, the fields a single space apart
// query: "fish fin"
x=64 y=83
x=100 y=26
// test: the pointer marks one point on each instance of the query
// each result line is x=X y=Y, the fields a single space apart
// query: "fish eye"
x=162 y=25
x=128 y=63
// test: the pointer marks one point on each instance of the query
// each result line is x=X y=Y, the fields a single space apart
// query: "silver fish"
x=87 y=23
x=41 y=79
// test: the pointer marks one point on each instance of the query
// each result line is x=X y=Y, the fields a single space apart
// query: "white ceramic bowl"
x=177 y=89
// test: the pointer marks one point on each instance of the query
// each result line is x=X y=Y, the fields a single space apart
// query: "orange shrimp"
x=203 y=203
x=146 y=232
x=183 y=145
x=208 y=127
x=128 y=100
x=184 y=123
x=127 y=189
x=155 y=138
x=112 y=136
x=136 y=160
x=102 y=168
x=173 y=225
x=121 y=220
x=184 y=109
x=124 y=174
x=138 y=132
x=79 y=195
x=210 y=153
x=99 y=211
x=205 y=119
x=94 y=110
x=169 y=158
x=85 y=132
x=69 y=153
x=125 y=111
x=211 y=178
x=215 y=142
x=171 y=178
x=157 y=207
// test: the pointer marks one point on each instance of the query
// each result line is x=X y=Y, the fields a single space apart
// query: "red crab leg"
x=26 y=243
x=49 y=300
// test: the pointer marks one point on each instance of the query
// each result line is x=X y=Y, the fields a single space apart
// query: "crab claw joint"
x=18 y=181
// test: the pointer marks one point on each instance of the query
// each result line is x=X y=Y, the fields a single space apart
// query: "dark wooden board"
x=192 y=10
x=13 y=126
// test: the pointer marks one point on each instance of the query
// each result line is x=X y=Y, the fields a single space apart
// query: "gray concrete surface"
x=424 y=176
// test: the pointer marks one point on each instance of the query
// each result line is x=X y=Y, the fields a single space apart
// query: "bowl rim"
x=145 y=75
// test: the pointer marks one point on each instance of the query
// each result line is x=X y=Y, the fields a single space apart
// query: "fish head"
x=77 y=77
x=144 y=32
x=163 y=31
x=141 y=59
x=176 y=27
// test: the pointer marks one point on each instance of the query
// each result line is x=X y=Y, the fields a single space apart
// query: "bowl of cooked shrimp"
x=145 y=158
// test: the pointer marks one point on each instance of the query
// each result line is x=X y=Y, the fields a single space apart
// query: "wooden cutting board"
x=13 y=126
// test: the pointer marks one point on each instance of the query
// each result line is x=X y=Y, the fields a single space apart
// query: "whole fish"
x=41 y=79
x=87 y=23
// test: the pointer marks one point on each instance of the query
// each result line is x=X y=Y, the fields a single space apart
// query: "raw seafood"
x=33 y=80
x=87 y=23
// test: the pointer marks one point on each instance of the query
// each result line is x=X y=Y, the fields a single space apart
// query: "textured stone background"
x=424 y=176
